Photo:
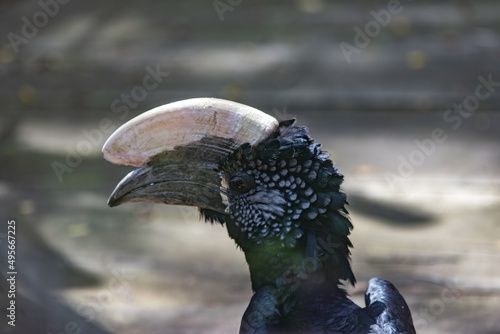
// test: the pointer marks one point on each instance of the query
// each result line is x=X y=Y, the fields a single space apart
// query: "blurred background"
x=404 y=95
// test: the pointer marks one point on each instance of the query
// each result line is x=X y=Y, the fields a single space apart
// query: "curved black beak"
x=186 y=176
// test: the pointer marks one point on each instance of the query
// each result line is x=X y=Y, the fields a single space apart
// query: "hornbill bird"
x=277 y=193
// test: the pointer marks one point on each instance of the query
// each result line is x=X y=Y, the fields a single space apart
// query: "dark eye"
x=241 y=183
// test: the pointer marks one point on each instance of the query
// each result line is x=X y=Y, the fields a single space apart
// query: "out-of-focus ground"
x=430 y=224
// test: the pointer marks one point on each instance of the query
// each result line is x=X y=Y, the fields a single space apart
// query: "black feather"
x=294 y=228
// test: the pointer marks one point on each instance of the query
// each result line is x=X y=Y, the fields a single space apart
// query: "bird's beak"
x=179 y=148
x=181 y=177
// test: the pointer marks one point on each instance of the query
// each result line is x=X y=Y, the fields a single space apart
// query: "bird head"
x=273 y=188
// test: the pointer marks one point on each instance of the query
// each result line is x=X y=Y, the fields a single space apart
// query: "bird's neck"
x=292 y=284
x=288 y=270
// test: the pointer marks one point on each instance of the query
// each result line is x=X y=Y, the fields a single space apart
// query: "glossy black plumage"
x=281 y=202
x=298 y=253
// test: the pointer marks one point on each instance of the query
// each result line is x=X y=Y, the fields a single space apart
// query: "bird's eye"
x=241 y=183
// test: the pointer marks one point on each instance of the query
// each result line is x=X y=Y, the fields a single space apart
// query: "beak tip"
x=112 y=202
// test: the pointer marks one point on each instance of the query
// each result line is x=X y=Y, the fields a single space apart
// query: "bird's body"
x=280 y=200
x=323 y=308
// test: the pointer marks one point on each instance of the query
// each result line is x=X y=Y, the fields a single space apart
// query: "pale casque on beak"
x=178 y=148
